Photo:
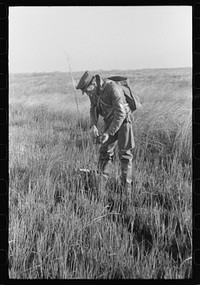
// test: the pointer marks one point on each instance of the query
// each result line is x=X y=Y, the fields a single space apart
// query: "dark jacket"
x=111 y=104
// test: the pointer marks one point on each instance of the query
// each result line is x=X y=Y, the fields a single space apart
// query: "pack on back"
x=131 y=98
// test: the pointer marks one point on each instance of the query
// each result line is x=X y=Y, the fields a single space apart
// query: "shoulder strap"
x=98 y=91
x=98 y=83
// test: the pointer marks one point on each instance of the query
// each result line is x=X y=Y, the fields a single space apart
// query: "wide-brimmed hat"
x=85 y=81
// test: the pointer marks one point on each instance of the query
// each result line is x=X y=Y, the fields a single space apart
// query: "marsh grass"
x=61 y=224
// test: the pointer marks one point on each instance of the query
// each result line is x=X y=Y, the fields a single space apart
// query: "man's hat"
x=85 y=81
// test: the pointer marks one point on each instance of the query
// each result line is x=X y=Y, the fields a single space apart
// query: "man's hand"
x=104 y=137
x=94 y=132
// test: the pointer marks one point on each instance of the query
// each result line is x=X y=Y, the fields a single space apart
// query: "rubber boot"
x=127 y=178
x=104 y=171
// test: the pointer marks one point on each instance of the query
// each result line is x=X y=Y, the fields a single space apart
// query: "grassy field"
x=60 y=224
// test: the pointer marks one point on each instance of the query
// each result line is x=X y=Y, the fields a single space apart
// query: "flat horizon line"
x=99 y=70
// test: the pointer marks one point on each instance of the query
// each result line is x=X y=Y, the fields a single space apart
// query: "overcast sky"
x=94 y=38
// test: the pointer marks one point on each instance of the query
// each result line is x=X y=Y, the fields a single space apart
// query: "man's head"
x=87 y=83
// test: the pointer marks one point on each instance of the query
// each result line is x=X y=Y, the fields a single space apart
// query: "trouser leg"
x=126 y=145
x=106 y=153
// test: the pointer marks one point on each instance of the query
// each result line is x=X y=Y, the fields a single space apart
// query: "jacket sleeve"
x=94 y=114
x=117 y=99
